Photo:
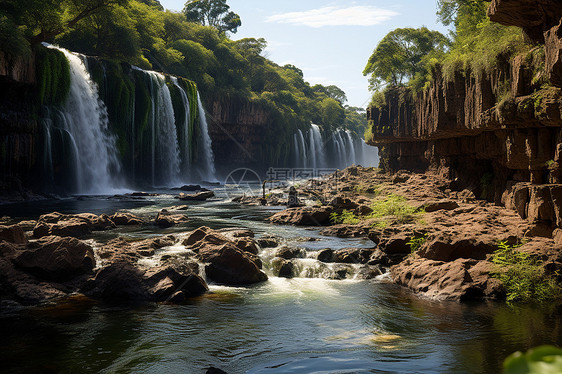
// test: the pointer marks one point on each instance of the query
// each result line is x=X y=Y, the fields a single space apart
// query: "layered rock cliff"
x=498 y=133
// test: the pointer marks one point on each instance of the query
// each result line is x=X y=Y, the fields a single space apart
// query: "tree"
x=213 y=13
x=398 y=56
x=333 y=92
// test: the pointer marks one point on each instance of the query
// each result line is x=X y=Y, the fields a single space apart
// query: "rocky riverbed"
x=427 y=237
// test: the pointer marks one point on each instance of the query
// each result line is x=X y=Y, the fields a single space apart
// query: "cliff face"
x=238 y=131
x=498 y=134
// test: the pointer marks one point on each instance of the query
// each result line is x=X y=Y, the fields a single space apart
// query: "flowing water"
x=207 y=169
x=84 y=118
x=300 y=325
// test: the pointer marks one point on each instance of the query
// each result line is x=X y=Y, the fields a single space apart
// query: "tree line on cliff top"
x=194 y=43
x=409 y=57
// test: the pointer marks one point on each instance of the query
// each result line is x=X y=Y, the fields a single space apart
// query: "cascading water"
x=85 y=120
x=185 y=151
x=343 y=149
x=207 y=169
x=166 y=154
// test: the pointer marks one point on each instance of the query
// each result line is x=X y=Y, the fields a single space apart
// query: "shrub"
x=395 y=206
x=346 y=217
x=523 y=275
x=416 y=242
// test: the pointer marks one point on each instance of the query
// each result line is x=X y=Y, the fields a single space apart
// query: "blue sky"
x=329 y=40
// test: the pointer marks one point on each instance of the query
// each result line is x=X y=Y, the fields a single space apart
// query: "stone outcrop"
x=226 y=262
x=497 y=134
x=304 y=216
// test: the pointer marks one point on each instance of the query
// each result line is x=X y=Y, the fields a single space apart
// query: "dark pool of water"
x=281 y=326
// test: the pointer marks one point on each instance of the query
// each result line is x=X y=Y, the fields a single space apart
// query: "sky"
x=330 y=41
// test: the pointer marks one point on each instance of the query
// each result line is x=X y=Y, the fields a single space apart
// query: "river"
x=299 y=325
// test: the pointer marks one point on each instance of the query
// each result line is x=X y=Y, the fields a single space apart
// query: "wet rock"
x=142 y=194
x=226 y=263
x=344 y=231
x=213 y=370
x=293 y=198
x=237 y=233
x=286 y=269
x=247 y=245
x=200 y=196
x=70 y=227
x=126 y=219
x=368 y=272
x=188 y=188
x=94 y=222
x=165 y=219
x=268 y=241
x=440 y=205
x=27 y=225
x=13 y=234
x=290 y=252
x=325 y=255
x=352 y=255
x=340 y=271
x=56 y=258
x=304 y=216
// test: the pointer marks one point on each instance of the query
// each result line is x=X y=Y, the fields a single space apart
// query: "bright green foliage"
x=395 y=207
x=401 y=54
x=523 y=275
x=346 y=217
x=416 y=242
x=214 y=13
x=545 y=359
x=355 y=119
x=12 y=38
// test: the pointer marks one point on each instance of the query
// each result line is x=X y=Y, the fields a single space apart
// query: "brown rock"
x=200 y=196
x=342 y=202
x=56 y=258
x=13 y=234
x=303 y=216
x=448 y=246
x=165 y=219
x=27 y=225
x=226 y=263
x=247 y=245
x=352 y=255
x=126 y=219
x=344 y=231
x=73 y=227
x=440 y=205
x=268 y=241
x=462 y=279
x=290 y=252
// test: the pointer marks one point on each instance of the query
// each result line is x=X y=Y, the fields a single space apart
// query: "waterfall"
x=185 y=151
x=302 y=147
x=166 y=157
x=351 y=160
x=208 y=168
x=86 y=122
x=317 y=149
x=297 y=154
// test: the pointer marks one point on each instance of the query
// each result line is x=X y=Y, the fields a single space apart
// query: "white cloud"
x=336 y=16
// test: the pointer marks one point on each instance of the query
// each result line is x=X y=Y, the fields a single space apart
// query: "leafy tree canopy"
x=215 y=13
x=398 y=57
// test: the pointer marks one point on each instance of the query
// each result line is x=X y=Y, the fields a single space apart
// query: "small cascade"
x=351 y=158
x=296 y=150
x=207 y=169
x=185 y=150
x=86 y=123
x=317 y=148
x=302 y=148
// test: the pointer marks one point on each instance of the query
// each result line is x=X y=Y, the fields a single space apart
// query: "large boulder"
x=165 y=219
x=448 y=246
x=444 y=204
x=461 y=279
x=199 y=196
x=304 y=216
x=126 y=219
x=69 y=227
x=13 y=234
x=226 y=263
x=56 y=258
x=352 y=255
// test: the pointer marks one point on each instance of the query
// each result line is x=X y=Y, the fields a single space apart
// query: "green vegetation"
x=53 y=76
x=402 y=55
x=395 y=207
x=193 y=44
x=416 y=242
x=523 y=275
x=345 y=217
x=540 y=360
